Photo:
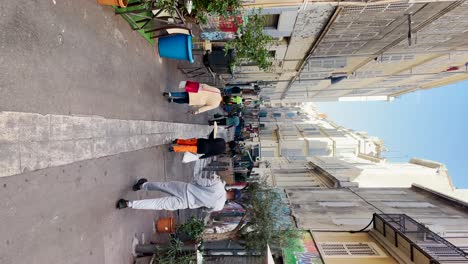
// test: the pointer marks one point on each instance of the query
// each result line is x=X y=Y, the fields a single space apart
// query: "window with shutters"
x=350 y=249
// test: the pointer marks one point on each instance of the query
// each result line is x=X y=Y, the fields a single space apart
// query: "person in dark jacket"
x=227 y=121
x=232 y=90
x=209 y=147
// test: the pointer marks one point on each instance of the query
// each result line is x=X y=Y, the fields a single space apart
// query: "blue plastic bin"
x=178 y=47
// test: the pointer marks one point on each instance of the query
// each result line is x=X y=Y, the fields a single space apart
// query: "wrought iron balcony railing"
x=411 y=236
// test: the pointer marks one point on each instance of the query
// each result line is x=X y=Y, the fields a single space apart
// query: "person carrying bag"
x=200 y=95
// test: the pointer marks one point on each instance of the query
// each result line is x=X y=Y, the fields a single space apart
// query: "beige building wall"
x=352 y=209
x=336 y=218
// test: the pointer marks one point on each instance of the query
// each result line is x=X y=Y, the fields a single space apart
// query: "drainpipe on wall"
x=409 y=30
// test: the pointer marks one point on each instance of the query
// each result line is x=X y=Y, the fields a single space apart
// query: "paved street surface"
x=77 y=63
x=34 y=141
x=66 y=214
x=76 y=57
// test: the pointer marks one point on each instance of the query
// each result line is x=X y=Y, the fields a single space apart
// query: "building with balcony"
x=381 y=225
x=392 y=238
x=293 y=137
x=360 y=50
x=346 y=223
x=294 y=134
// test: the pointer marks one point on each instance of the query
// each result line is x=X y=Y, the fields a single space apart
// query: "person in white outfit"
x=202 y=193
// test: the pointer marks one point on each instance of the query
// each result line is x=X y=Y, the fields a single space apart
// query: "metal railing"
x=433 y=246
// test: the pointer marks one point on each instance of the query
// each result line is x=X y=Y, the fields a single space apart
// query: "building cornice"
x=443 y=197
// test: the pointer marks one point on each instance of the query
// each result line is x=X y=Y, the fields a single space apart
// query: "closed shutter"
x=334 y=249
x=350 y=249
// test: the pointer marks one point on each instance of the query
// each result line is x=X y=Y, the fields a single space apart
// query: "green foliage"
x=263 y=223
x=294 y=246
x=173 y=254
x=169 y=5
x=202 y=17
x=193 y=228
x=265 y=220
x=252 y=45
x=223 y=8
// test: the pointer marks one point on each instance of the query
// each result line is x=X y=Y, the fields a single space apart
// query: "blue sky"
x=430 y=124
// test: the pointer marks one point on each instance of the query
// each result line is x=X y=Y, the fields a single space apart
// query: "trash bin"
x=177 y=47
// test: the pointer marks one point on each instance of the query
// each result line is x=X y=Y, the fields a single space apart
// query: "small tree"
x=222 y=8
x=262 y=222
x=252 y=45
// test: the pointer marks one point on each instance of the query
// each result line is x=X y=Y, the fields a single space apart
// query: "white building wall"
x=369 y=174
x=299 y=135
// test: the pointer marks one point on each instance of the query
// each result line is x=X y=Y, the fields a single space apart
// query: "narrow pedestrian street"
x=82 y=117
x=297 y=131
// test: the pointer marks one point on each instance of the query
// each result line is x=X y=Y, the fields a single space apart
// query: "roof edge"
x=446 y=198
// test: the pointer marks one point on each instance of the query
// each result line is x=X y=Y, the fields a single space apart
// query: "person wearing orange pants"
x=209 y=147
x=186 y=145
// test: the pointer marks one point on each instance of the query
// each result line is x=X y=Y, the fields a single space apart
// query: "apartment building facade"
x=404 y=225
x=417 y=215
x=293 y=133
x=360 y=51
x=346 y=223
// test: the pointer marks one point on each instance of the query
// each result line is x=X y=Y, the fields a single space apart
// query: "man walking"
x=207 y=193
x=227 y=121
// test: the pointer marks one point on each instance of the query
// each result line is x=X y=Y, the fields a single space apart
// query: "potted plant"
x=191 y=230
x=252 y=44
x=173 y=252
x=119 y=3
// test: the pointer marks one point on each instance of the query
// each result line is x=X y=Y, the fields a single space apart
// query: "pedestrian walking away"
x=234 y=100
x=209 y=147
x=202 y=193
x=231 y=90
x=202 y=96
